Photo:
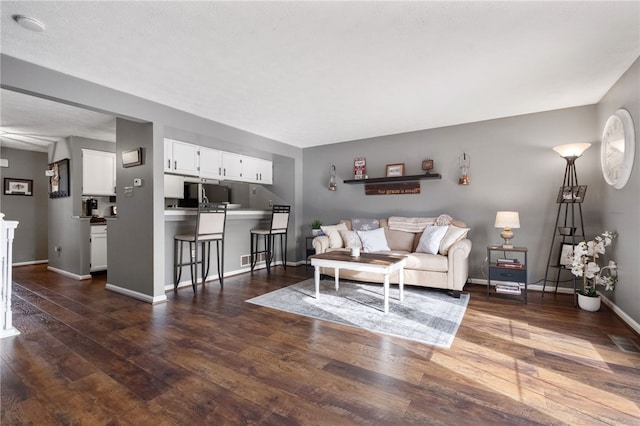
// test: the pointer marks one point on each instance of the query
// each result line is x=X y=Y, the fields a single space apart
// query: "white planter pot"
x=591 y=304
x=315 y=232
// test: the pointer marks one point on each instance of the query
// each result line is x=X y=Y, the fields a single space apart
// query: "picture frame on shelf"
x=395 y=170
x=566 y=255
x=14 y=186
x=571 y=194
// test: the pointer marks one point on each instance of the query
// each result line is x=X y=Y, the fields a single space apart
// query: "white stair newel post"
x=7 y=229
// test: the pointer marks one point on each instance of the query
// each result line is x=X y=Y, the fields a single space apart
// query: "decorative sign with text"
x=392 y=188
x=359 y=168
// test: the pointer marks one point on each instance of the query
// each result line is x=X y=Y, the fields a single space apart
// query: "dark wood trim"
x=393 y=179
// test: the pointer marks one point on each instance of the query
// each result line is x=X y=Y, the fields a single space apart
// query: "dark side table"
x=508 y=268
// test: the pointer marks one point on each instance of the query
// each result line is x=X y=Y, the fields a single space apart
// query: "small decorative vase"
x=591 y=304
x=315 y=232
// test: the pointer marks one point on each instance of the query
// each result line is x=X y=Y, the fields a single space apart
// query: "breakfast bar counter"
x=236 y=242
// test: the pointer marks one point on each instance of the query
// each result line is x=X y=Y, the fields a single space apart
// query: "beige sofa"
x=448 y=269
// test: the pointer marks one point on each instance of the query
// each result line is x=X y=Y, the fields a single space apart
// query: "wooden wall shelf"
x=394 y=179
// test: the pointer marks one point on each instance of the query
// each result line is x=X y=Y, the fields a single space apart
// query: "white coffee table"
x=367 y=262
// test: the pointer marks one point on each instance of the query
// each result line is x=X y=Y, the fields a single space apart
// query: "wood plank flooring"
x=87 y=356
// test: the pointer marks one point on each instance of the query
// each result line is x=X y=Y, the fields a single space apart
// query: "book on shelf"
x=506 y=260
x=510 y=265
x=510 y=290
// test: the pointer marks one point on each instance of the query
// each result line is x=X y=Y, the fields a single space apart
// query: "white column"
x=7 y=229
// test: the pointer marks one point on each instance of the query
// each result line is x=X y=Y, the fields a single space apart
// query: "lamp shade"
x=571 y=149
x=507 y=220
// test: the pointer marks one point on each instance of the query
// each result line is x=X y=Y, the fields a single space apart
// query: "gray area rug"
x=425 y=315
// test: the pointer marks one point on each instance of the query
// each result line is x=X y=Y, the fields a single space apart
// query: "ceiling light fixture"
x=29 y=23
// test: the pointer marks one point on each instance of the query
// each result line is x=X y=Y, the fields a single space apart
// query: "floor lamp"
x=567 y=223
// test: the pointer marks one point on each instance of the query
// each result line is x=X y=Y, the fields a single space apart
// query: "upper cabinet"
x=192 y=160
x=210 y=163
x=185 y=158
x=257 y=170
x=231 y=166
x=98 y=172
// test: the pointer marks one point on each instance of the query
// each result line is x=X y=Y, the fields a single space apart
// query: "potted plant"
x=315 y=227
x=584 y=264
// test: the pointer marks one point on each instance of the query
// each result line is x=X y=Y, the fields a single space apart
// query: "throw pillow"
x=431 y=239
x=364 y=224
x=350 y=239
x=443 y=219
x=453 y=235
x=331 y=231
x=373 y=240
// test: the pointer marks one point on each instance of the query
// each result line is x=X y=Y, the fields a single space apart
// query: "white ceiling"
x=312 y=73
x=32 y=123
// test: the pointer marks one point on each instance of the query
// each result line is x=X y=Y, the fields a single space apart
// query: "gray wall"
x=125 y=234
x=513 y=167
x=32 y=79
x=621 y=207
x=68 y=246
x=30 y=244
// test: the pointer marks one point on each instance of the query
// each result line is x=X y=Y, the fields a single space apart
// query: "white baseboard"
x=214 y=277
x=136 y=294
x=622 y=314
x=8 y=332
x=31 y=262
x=69 y=274
x=565 y=290
x=210 y=278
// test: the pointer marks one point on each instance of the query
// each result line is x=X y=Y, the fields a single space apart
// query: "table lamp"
x=507 y=221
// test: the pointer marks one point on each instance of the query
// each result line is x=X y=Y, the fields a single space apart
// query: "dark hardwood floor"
x=87 y=356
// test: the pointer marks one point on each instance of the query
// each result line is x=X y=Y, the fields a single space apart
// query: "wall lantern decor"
x=464 y=162
x=332 y=178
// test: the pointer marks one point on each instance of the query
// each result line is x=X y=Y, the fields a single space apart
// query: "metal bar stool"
x=210 y=225
x=279 y=226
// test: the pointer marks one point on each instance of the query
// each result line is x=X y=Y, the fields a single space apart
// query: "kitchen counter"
x=182 y=213
x=236 y=247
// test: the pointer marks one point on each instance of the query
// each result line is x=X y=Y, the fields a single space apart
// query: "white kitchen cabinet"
x=257 y=170
x=173 y=186
x=98 y=172
x=168 y=155
x=210 y=163
x=231 y=166
x=98 y=247
x=185 y=158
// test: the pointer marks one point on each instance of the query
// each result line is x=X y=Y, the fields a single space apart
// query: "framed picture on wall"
x=59 y=179
x=14 y=186
x=394 y=170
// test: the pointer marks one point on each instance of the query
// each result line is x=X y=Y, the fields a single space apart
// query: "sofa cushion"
x=427 y=262
x=373 y=240
x=335 y=240
x=365 y=224
x=399 y=240
x=350 y=239
x=410 y=224
x=453 y=235
x=431 y=239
